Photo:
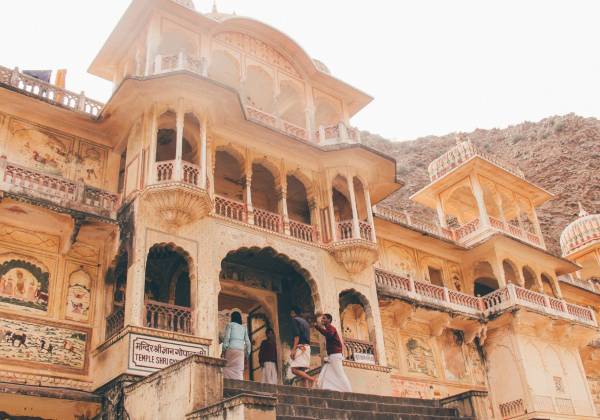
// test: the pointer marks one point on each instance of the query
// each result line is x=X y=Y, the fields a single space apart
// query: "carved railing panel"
x=467 y=229
x=163 y=316
x=344 y=229
x=115 y=322
x=294 y=130
x=232 y=209
x=512 y=408
x=164 y=171
x=303 y=231
x=191 y=173
x=267 y=220
x=261 y=117
x=366 y=231
x=353 y=346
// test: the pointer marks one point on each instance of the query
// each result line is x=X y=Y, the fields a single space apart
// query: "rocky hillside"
x=561 y=154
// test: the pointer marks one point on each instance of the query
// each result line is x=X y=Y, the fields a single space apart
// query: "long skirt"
x=332 y=375
x=234 y=369
x=269 y=373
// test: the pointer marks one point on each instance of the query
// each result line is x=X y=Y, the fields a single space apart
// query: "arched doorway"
x=485 y=281
x=357 y=327
x=263 y=285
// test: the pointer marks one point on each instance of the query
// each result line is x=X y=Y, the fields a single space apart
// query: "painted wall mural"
x=451 y=344
x=57 y=154
x=28 y=342
x=39 y=149
x=419 y=357
x=78 y=296
x=23 y=284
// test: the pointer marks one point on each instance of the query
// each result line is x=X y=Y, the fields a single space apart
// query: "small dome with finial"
x=582 y=232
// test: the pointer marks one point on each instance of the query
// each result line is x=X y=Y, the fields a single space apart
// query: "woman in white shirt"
x=236 y=347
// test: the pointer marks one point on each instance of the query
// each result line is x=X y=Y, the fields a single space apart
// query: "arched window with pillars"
x=350 y=209
x=357 y=327
x=168 y=289
x=265 y=196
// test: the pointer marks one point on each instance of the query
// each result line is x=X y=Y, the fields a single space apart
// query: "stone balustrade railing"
x=164 y=316
x=60 y=191
x=460 y=154
x=460 y=233
x=584 y=284
x=359 y=350
x=49 y=92
x=495 y=302
x=177 y=171
x=115 y=322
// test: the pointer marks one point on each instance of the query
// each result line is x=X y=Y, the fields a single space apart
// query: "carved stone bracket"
x=178 y=204
x=354 y=254
x=439 y=324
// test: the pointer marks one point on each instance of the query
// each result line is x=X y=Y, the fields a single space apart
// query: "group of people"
x=237 y=347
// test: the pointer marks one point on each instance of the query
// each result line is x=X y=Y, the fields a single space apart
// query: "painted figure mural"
x=78 y=296
x=24 y=285
x=28 y=342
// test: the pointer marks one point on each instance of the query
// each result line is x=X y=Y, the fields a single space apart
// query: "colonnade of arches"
x=487 y=280
x=260 y=283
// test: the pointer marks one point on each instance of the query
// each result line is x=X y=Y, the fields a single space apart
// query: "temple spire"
x=214 y=8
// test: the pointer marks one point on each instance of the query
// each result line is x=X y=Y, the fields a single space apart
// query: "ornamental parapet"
x=43 y=188
x=78 y=102
x=488 y=306
x=465 y=234
x=461 y=153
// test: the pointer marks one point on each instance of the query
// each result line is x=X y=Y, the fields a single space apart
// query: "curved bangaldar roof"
x=135 y=22
x=580 y=233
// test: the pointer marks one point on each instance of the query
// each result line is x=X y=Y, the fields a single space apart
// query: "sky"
x=433 y=66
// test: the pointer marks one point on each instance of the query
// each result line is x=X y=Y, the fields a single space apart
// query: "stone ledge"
x=49 y=392
x=366 y=366
x=247 y=400
x=195 y=358
x=130 y=329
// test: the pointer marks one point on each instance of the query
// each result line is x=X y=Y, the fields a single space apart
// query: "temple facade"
x=223 y=174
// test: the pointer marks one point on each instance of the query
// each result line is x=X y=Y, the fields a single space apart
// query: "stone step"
x=297 y=411
x=363 y=405
x=233 y=387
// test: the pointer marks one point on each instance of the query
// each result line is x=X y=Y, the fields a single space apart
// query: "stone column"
x=332 y=222
x=500 y=205
x=179 y=143
x=536 y=224
x=153 y=143
x=249 y=207
x=440 y=212
x=135 y=307
x=355 y=224
x=478 y=193
x=519 y=211
x=211 y=163
x=370 y=212
x=203 y=152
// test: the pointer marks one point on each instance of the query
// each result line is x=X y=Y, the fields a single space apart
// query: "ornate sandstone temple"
x=223 y=174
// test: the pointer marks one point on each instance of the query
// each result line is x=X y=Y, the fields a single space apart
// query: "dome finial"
x=214 y=8
x=582 y=211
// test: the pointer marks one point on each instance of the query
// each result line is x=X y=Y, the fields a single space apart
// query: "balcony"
x=466 y=234
x=47 y=92
x=115 y=322
x=355 y=251
x=173 y=318
x=69 y=195
x=492 y=304
x=177 y=192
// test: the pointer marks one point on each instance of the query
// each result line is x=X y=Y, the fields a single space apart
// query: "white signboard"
x=149 y=354
x=366 y=358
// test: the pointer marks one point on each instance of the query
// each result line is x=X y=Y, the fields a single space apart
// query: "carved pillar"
x=519 y=211
x=440 y=212
x=355 y=224
x=135 y=308
x=500 y=206
x=370 y=212
x=211 y=164
x=249 y=207
x=498 y=270
x=536 y=224
x=478 y=193
x=333 y=222
x=153 y=142
x=203 y=152
x=179 y=142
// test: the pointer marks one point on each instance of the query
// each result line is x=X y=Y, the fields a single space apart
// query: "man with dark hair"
x=332 y=374
x=300 y=352
x=267 y=357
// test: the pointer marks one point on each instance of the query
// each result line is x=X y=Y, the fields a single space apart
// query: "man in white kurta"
x=332 y=376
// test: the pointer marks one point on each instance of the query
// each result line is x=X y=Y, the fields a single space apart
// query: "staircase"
x=296 y=403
